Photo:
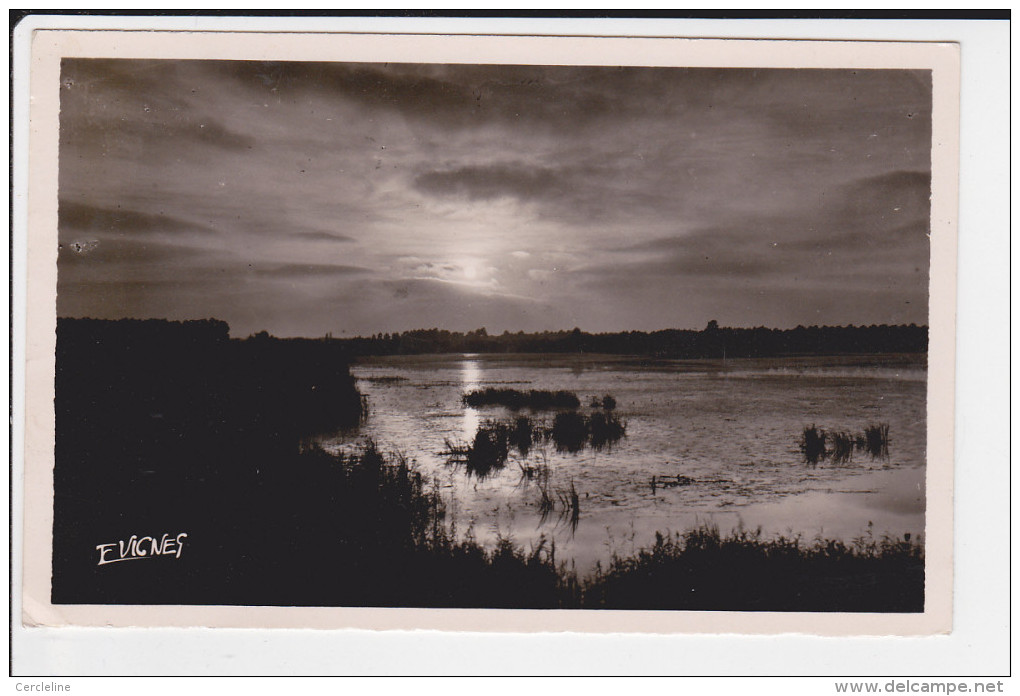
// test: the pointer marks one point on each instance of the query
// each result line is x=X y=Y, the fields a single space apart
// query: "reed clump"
x=566 y=501
x=486 y=454
x=607 y=402
x=876 y=440
x=492 y=445
x=842 y=449
x=515 y=400
x=573 y=431
x=839 y=446
x=812 y=444
x=605 y=428
x=521 y=435
x=495 y=440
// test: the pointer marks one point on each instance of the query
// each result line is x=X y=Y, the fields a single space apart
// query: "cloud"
x=860 y=250
x=321 y=236
x=491 y=181
x=387 y=87
x=102 y=253
x=94 y=219
x=453 y=96
x=305 y=270
x=148 y=132
x=901 y=194
x=424 y=303
x=109 y=104
x=889 y=211
x=611 y=197
x=885 y=103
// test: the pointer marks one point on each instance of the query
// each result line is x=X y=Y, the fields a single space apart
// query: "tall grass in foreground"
x=703 y=569
x=406 y=551
x=369 y=529
x=406 y=554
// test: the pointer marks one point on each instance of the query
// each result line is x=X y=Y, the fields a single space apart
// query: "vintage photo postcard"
x=498 y=333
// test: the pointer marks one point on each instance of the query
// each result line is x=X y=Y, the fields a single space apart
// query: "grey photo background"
x=305 y=198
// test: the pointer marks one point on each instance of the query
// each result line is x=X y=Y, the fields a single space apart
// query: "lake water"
x=731 y=428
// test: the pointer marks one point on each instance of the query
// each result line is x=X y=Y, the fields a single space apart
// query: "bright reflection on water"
x=470 y=376
x=732 y=428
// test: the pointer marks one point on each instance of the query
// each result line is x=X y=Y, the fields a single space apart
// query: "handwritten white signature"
x=137 y=548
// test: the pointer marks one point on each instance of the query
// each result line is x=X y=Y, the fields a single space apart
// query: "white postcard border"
x=49 y=46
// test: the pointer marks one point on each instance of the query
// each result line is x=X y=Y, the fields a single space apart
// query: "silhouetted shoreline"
x=711 y=342
x=170 y=428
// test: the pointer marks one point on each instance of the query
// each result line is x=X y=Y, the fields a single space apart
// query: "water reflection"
x=470 y=378
x=731 y=446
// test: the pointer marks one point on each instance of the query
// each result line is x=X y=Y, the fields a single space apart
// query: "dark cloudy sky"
x=303 y=198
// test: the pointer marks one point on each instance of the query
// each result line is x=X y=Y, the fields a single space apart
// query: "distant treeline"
x=712 y=342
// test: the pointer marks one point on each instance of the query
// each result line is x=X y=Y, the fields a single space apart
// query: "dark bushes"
x=167 y=427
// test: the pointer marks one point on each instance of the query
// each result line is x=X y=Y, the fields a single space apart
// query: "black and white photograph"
x=430 y=334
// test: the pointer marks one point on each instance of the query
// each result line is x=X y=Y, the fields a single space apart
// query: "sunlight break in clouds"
x=303 y=198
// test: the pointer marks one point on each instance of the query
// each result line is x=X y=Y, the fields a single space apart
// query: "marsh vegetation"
x=839 y=446
x=534 y=399
x=496 y=440
x=221 y=441
x=721 y=440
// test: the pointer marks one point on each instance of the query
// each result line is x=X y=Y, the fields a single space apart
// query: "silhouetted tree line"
x=712 y=342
